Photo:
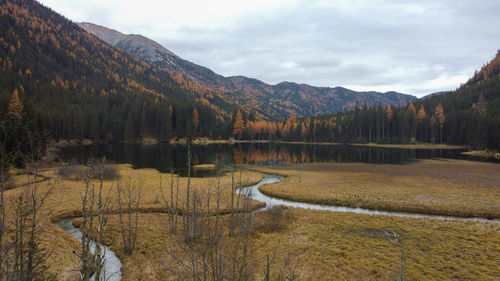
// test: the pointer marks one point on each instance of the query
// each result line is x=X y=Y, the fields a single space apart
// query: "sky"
x=413 y=47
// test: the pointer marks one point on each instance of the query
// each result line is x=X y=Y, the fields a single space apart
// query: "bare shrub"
x=79 y=172
x=110 y=172
x=95 y=206
x=284 y=272
x=402 y=274
x=171 y=204
x=22 y=257
x=209 y=251
x=129 y=197
x=71 y=171
x=274 y=219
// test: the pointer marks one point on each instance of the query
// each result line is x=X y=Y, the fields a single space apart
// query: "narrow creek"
x=113 y=264
x=255 y=194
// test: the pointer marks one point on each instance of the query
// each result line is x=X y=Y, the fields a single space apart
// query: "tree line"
x=71 y=85
x=469 y=115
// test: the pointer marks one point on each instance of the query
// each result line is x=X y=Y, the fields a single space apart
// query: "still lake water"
x=164 y=157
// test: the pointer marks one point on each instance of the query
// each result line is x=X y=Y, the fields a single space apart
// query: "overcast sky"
x=414 y=47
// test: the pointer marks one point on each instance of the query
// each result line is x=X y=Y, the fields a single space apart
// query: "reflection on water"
x=165 y=157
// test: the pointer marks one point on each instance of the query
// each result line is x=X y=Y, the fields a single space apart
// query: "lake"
x=164 y=157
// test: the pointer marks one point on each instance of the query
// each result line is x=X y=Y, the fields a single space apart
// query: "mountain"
x=434 y=94
x=272 y=102
x=469 y=116
x=76 y=86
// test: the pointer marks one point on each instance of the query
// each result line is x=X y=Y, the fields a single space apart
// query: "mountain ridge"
x=75 y=86
x=273 y=102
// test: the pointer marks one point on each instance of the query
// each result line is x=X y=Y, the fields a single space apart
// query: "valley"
x=121 y=160
x=306 y=243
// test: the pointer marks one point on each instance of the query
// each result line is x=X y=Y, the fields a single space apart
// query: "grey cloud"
x=400 y=44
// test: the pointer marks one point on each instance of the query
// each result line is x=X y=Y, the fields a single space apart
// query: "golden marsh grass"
x=440 y=187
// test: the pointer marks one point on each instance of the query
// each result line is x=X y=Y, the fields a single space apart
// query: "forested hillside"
x=268 y=102
x=75 y=86
x=58 y=81
x=468 y=116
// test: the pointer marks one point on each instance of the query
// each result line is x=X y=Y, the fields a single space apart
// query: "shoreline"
x=412 y=146
x=483 y=153
x=207 y=141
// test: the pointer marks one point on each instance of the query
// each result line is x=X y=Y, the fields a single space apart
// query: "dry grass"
x=59 y=246
x=320 y=245
x=65 y=202
x=483 y=153
x=444 y=187
x=65 y=198
x=337 y=246
x=412 y=146
x=204 y=167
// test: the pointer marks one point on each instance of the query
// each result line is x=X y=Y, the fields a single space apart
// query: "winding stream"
x=255 y=194
x=112 y=266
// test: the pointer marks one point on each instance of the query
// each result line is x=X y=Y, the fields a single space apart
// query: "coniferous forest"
x=469 y=115
x=74 y=86
x=238 y=193
x=104 y=94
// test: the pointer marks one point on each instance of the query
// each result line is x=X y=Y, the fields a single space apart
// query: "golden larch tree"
x=389 y=114
x=411 y=108
x=441 y=118
x=170 y=110
x=239 y=125
x=303 y=131
x=196 y=120
x=421 y=115
x=15 y=109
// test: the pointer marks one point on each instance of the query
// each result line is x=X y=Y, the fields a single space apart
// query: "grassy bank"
x=316 y=245
x=412 y=146
x=337 y=246
x=371 y=144
x=440 y=187
x=65 y=199
x=483 y=153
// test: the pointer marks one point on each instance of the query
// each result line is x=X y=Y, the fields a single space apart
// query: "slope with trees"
x=270 y=102
x=75 y=86
x=470 y=116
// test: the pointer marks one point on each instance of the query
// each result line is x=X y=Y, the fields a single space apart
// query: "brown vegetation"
x=440 y=187
x=483 y=153
x=295 y=244
x=340 y=246
x=78 y=172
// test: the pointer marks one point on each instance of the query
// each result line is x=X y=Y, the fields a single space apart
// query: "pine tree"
x=389 y=114
x=412 y=116
x=129 y=128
